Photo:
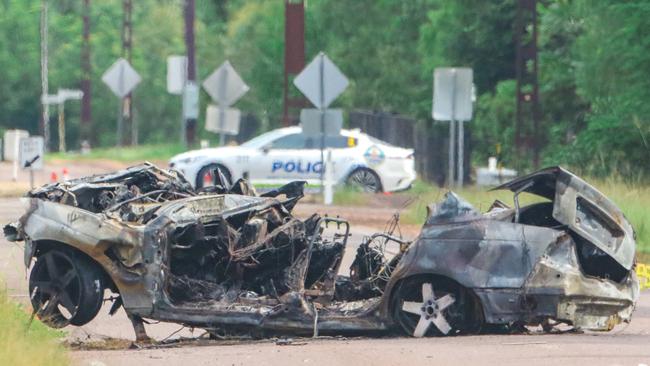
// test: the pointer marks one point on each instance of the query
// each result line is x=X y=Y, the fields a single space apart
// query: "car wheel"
x=208 y=174
x=365 y=179
x=65 y=288
x=430 y=306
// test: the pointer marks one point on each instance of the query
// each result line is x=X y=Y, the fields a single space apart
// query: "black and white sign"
x=31 y=153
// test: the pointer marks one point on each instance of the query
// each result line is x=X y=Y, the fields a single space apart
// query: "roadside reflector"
x=643 y=273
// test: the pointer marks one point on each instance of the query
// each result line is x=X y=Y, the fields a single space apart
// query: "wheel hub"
x=430 y=311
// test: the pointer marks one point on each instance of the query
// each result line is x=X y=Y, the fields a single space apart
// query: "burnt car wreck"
x=229 y=260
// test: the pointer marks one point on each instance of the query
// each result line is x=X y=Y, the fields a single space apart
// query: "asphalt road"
x=625 y=345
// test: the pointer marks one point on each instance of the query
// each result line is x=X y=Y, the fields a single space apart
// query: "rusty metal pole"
x=190 y=123
x=127 y=43
x=294 y=51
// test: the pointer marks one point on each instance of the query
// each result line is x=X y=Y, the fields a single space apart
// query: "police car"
x=286 y=154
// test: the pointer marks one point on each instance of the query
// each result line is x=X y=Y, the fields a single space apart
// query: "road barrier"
x=643 y=273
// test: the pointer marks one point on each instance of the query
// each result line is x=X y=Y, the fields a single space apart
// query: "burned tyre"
x=433 y=306
x=65 y=288
x=209 y=173
x=364 y=179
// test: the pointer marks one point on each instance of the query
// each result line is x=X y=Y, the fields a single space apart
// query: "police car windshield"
x=378 y=141
x=261 y=140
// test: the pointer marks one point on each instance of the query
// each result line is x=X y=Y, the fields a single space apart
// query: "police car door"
x=281 y=161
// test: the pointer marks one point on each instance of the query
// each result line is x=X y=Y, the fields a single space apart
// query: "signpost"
x=321 y=82
x=60 y=98
x=452 y=101
x=31 y=152
x=225 y=87
x=121 y=78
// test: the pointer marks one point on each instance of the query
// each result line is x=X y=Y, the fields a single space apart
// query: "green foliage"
x=25 y=344
x=593 y=64
x=133 y=154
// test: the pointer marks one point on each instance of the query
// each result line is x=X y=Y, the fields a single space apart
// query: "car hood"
x=584 y=209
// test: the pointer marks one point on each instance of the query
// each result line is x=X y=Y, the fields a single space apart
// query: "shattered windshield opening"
x=451 y=208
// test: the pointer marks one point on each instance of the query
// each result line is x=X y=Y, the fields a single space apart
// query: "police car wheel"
x=207 y=174
x=365 y=179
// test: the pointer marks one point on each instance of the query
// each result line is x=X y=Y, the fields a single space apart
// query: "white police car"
x=286 y=154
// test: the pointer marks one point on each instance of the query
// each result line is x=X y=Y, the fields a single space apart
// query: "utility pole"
x=127 y=43
x=527 y=134
x=86 y=73
x=294 y=53
x=45 y=123
x=191 y=89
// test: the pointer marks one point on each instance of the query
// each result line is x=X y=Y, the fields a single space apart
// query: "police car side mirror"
x=265 y=149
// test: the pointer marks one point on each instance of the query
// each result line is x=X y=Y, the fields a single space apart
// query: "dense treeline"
x=594 y=60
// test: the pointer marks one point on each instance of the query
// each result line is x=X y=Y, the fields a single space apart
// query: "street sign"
x=310 y=121
x=191 y=101
x=50 y=99
x=70 y=94
x=225 y=86
x=321 y=81
x=61 y=96
x=452 y=94
x=176 y=74
x=121 y=78
x=222 y=120
x=31 y=153
x=453 y=97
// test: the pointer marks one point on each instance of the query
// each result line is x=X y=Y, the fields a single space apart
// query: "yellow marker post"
x=643 y=273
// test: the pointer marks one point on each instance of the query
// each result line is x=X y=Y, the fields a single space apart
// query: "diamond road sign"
x=321 y=81
x=224 y=85
x=121 y=78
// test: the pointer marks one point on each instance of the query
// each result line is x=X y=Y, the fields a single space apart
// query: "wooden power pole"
x=86 y=73
x=190 y=122
x=127 y=45
x=527 y=135
x=294 y=53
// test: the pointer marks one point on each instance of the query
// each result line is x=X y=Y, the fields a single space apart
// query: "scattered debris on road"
x=230 y=261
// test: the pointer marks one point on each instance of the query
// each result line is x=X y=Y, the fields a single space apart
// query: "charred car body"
x=229 y=260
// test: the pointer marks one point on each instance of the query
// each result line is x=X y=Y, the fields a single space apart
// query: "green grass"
x=123 y=154
x=20 y=345
x=349 y=196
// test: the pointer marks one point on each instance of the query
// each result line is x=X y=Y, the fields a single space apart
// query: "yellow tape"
x=643 y=273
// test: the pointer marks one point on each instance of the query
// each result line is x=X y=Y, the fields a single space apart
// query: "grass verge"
x=20 y=345
x=123 y=154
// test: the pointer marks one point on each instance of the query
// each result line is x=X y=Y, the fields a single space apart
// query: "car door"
x=280 y=161
x=341 y=148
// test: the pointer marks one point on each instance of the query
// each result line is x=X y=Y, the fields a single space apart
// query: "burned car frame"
x=229 y=260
